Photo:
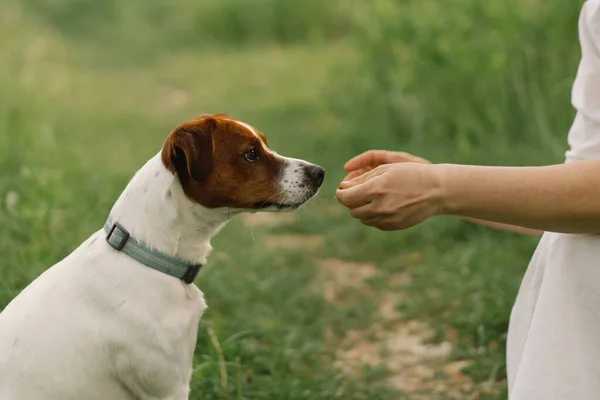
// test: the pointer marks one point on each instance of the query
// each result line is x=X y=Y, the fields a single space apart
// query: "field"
x=311 y=305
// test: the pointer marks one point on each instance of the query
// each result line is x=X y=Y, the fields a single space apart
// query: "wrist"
x=446 y=199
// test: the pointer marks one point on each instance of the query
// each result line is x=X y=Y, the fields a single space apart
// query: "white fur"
x=98 y=324
x=245 y=125
x=292 y=181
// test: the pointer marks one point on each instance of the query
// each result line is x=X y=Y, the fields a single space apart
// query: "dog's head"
x=223 y=162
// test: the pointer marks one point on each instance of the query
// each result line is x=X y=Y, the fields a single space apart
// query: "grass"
x=83 y=105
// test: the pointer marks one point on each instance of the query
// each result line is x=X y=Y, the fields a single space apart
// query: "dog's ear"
x=188 y=151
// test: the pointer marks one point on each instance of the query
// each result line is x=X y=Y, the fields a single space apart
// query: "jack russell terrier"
x=117 y=319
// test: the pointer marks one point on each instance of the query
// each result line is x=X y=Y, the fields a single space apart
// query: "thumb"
x=347 y=184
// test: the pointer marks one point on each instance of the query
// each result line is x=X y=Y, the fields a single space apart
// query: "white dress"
x=553 y=349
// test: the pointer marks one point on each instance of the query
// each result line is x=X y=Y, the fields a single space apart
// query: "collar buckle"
x=191 y=273
x=117 y=237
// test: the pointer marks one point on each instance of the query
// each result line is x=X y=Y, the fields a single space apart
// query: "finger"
x=406 y=157
x=380 y=223
x=355 y=173
x=365 y=212
x=355 y=196
x=414 y=220
x=361 y=179
x=371 y=158
x=397 y=223
x=374 y=222
x=387 y=226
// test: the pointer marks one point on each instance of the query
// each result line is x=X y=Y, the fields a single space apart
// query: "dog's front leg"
x=183 y=394
x=151 y=375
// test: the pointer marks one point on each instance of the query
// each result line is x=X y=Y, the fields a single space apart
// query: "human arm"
x=559 y=198
x=371 y=159
x=504 y=227
x=562 y=198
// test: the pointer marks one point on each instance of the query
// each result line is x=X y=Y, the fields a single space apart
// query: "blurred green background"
x=90 y=89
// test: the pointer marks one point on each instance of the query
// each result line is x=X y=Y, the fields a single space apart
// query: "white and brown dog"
x=118 y=317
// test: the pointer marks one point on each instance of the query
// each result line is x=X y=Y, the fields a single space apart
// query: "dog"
x=118 y=318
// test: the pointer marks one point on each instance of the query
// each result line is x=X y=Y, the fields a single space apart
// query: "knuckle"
x=377 y=188
x=354 y=213
x=370 y=155
x=383 y=209
x=389 y=211
x=372 y=193
x=345 y=202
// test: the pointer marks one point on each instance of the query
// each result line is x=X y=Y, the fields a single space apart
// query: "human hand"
x=368 y=160
x=394 y=196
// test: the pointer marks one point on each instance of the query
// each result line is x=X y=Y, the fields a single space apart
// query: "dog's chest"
x=137 y=325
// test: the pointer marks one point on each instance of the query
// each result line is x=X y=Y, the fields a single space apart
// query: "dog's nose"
x=316 y=173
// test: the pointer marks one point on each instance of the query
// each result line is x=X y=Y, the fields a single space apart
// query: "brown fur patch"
x=207 y=154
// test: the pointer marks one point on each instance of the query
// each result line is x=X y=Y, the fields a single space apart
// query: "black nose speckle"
x=315 y=173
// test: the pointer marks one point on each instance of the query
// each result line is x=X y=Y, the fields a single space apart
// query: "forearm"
x=559 y=198
x=505 y=227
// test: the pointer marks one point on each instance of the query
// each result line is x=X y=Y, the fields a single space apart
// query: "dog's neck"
x=155 y=211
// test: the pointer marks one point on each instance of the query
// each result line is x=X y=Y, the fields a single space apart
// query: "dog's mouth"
x=290 y=199
x=280 y=206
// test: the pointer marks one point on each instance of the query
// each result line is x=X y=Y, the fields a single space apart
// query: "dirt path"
x=416 y=368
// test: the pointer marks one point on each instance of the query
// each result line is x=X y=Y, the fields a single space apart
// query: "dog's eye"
x=251 y=155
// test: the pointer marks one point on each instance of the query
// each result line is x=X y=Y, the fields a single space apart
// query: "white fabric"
x=553 y=350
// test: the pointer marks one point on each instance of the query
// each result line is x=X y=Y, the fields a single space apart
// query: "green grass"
x=88 y=92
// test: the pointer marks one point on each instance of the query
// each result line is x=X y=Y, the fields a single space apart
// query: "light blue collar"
x=119 y=239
